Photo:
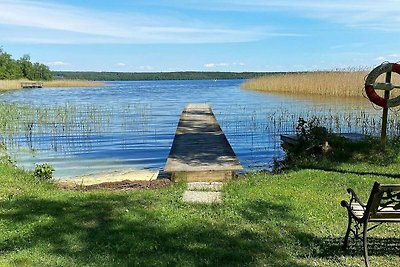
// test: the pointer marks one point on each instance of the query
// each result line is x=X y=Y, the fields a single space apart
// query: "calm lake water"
x=131 y=124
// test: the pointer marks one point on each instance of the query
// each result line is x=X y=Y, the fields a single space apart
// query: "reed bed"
x=62 y=127
x=332 y=83
x=73 y=83
x=11 y=84
x=16 y=84
x=356 y=121
x=259 y=128
x=24 y=125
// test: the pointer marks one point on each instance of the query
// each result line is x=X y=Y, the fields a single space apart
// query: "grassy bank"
x=290 y=219
x=16 y=84
x=333 y=83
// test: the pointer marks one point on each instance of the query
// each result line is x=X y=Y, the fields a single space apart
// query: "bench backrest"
x=384 y=201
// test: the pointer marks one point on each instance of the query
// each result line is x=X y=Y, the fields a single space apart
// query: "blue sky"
x=203 y=35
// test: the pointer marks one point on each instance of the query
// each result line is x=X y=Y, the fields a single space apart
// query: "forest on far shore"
x=23 y=68
x=136 y=76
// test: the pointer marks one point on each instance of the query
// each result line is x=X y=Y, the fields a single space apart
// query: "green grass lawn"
x=290 y=219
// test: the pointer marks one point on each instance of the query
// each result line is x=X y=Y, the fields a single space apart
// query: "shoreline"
x=9 y=85
x=109 y=176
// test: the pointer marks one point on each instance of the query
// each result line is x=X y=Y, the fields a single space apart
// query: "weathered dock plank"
x=200 y=150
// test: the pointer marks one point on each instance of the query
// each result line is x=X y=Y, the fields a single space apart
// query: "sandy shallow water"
x=110 y=176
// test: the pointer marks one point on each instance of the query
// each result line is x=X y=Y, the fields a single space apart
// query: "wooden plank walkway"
x=200 y=150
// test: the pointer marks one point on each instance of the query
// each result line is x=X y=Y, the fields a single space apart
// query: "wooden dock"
x=200 y=150
x=31 y=85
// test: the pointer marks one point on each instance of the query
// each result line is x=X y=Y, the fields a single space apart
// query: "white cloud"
x=381 y=58
x=223 y=64
x=33 y=21
x=213 y=65
x=43 y=22
x=390 y=57
x=369 y=14
x=146 y=67
x=346 y=46
x=56 y=63
x=121 y=64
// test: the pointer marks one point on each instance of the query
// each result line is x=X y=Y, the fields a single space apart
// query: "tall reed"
x=333 y=83
x=259 y=128
x=11 y=84
x=16 y=84
x=72 y=83
x=58 y=127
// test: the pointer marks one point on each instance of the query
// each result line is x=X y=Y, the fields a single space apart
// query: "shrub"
x=316 y=147
x=6 y=159
x=43 y=172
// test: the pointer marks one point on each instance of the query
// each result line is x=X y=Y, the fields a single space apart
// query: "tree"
x=45 y=72
x=40 y=72
x=9 y=68
x=26 y=67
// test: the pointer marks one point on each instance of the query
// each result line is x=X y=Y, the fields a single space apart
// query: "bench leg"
x=365 y=230
x=346 y=237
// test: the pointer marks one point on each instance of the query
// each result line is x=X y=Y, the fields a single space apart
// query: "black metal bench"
x=383 y=206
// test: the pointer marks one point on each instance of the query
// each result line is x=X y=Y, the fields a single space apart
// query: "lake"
x=131 y=124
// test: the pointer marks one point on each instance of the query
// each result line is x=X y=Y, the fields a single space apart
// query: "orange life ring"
x=371 y=85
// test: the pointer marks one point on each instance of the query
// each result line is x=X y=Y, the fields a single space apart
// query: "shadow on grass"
x=306 y=244
x=332 y=169
x=340 y=150
x=93 y=230
x=328 y=247
x=96 y=230
x=279 y=229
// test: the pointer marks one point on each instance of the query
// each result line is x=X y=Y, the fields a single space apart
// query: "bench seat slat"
x=382 y=213
x=356 y=206
x=357 y=209
x=385 y=220
x=386 y=215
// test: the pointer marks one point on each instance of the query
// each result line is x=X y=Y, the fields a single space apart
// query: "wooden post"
x=385 y=112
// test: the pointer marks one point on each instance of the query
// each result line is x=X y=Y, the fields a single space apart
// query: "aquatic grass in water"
x=26 y=125
x=260 y=128
x=284 y=120
x=257 y=129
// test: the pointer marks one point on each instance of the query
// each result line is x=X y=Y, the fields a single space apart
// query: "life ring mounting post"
x=386 y=102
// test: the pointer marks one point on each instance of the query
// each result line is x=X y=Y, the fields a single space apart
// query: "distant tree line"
x=134 y=76
x=11 y=69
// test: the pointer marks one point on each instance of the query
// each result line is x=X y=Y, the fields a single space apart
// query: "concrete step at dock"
x=203 y=192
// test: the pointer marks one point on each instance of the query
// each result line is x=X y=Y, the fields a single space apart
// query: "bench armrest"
x=355 y=197
x=348 y=205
